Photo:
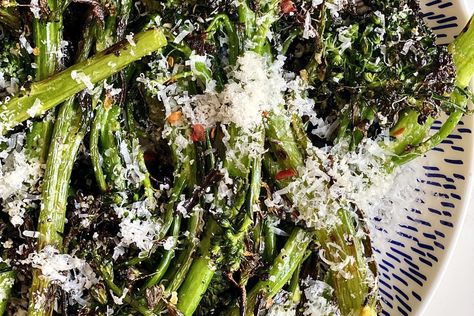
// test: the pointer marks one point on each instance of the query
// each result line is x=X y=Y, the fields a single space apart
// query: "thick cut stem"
x=200 y=274
x=48 y=35
x=68 y=134
x=463 y=54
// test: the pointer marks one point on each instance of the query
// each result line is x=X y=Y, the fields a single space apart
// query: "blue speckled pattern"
x=446 y=17
x=410 y=265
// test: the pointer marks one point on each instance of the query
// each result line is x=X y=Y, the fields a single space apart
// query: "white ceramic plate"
x=412 y=264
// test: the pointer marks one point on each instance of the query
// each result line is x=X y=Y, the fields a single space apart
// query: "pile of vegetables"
x=209 y=157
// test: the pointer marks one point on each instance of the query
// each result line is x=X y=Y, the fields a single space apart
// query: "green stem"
x=200 y=274
x=462 y=50
x=97 y=125
x=281 y=270
x=351 y=288
x=52 y=91
x=167 y=255
x=47 y=34
x=38 y=140
x=407 y=132
x=446 y=129
x=269 y=251
x=105 y=272
x=7 y=279
x=185 y=259
x=294 y=287
x=246 y=17
x=67 y=135
x=112 y=162
x=289 y=40
x=231 y=32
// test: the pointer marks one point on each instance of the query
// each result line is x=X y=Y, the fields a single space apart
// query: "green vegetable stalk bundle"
x=209 y=158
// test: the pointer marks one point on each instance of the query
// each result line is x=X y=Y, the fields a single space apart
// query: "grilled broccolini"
x=209 y=158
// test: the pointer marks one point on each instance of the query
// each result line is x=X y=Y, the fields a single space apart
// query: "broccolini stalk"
x=38 y=139
x=46 y=94
x=201 y=272
x=47 y=33
x=353 y=292
x=183 y=263
x=7 y=278
x=179 y=271
x=222 y=20
x=280 y=272
x=100 y=120
x=269 y=250
x=185 y=180
x=69 y=130
x=211 y=254
x=462 y=50
x=463 y=56
x=168 y=254
x=107 y=273
x=106 y=121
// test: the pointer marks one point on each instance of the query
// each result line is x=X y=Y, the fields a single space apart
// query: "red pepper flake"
x=398 y=132
x=198 y=134
x=170 y=61
x=287 y=6
x=285 y=174
x=175 y=117
x=108 y=101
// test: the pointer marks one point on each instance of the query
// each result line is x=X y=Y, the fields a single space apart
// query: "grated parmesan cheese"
x=336 y=6
x=20 y=187
x=184 y=32
x=130 y=40
x=119 y=300
x=317 y=304
x=72 y=274
x=81 y=78
x=334 y=178
x=169 y=243
x=133 y=173
x=137 y=226
x=5 y=283
x=282 y=305
x=25 y=44
x=255 y=86
x=31 y=234
x=35 y=109
x=35 y=8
